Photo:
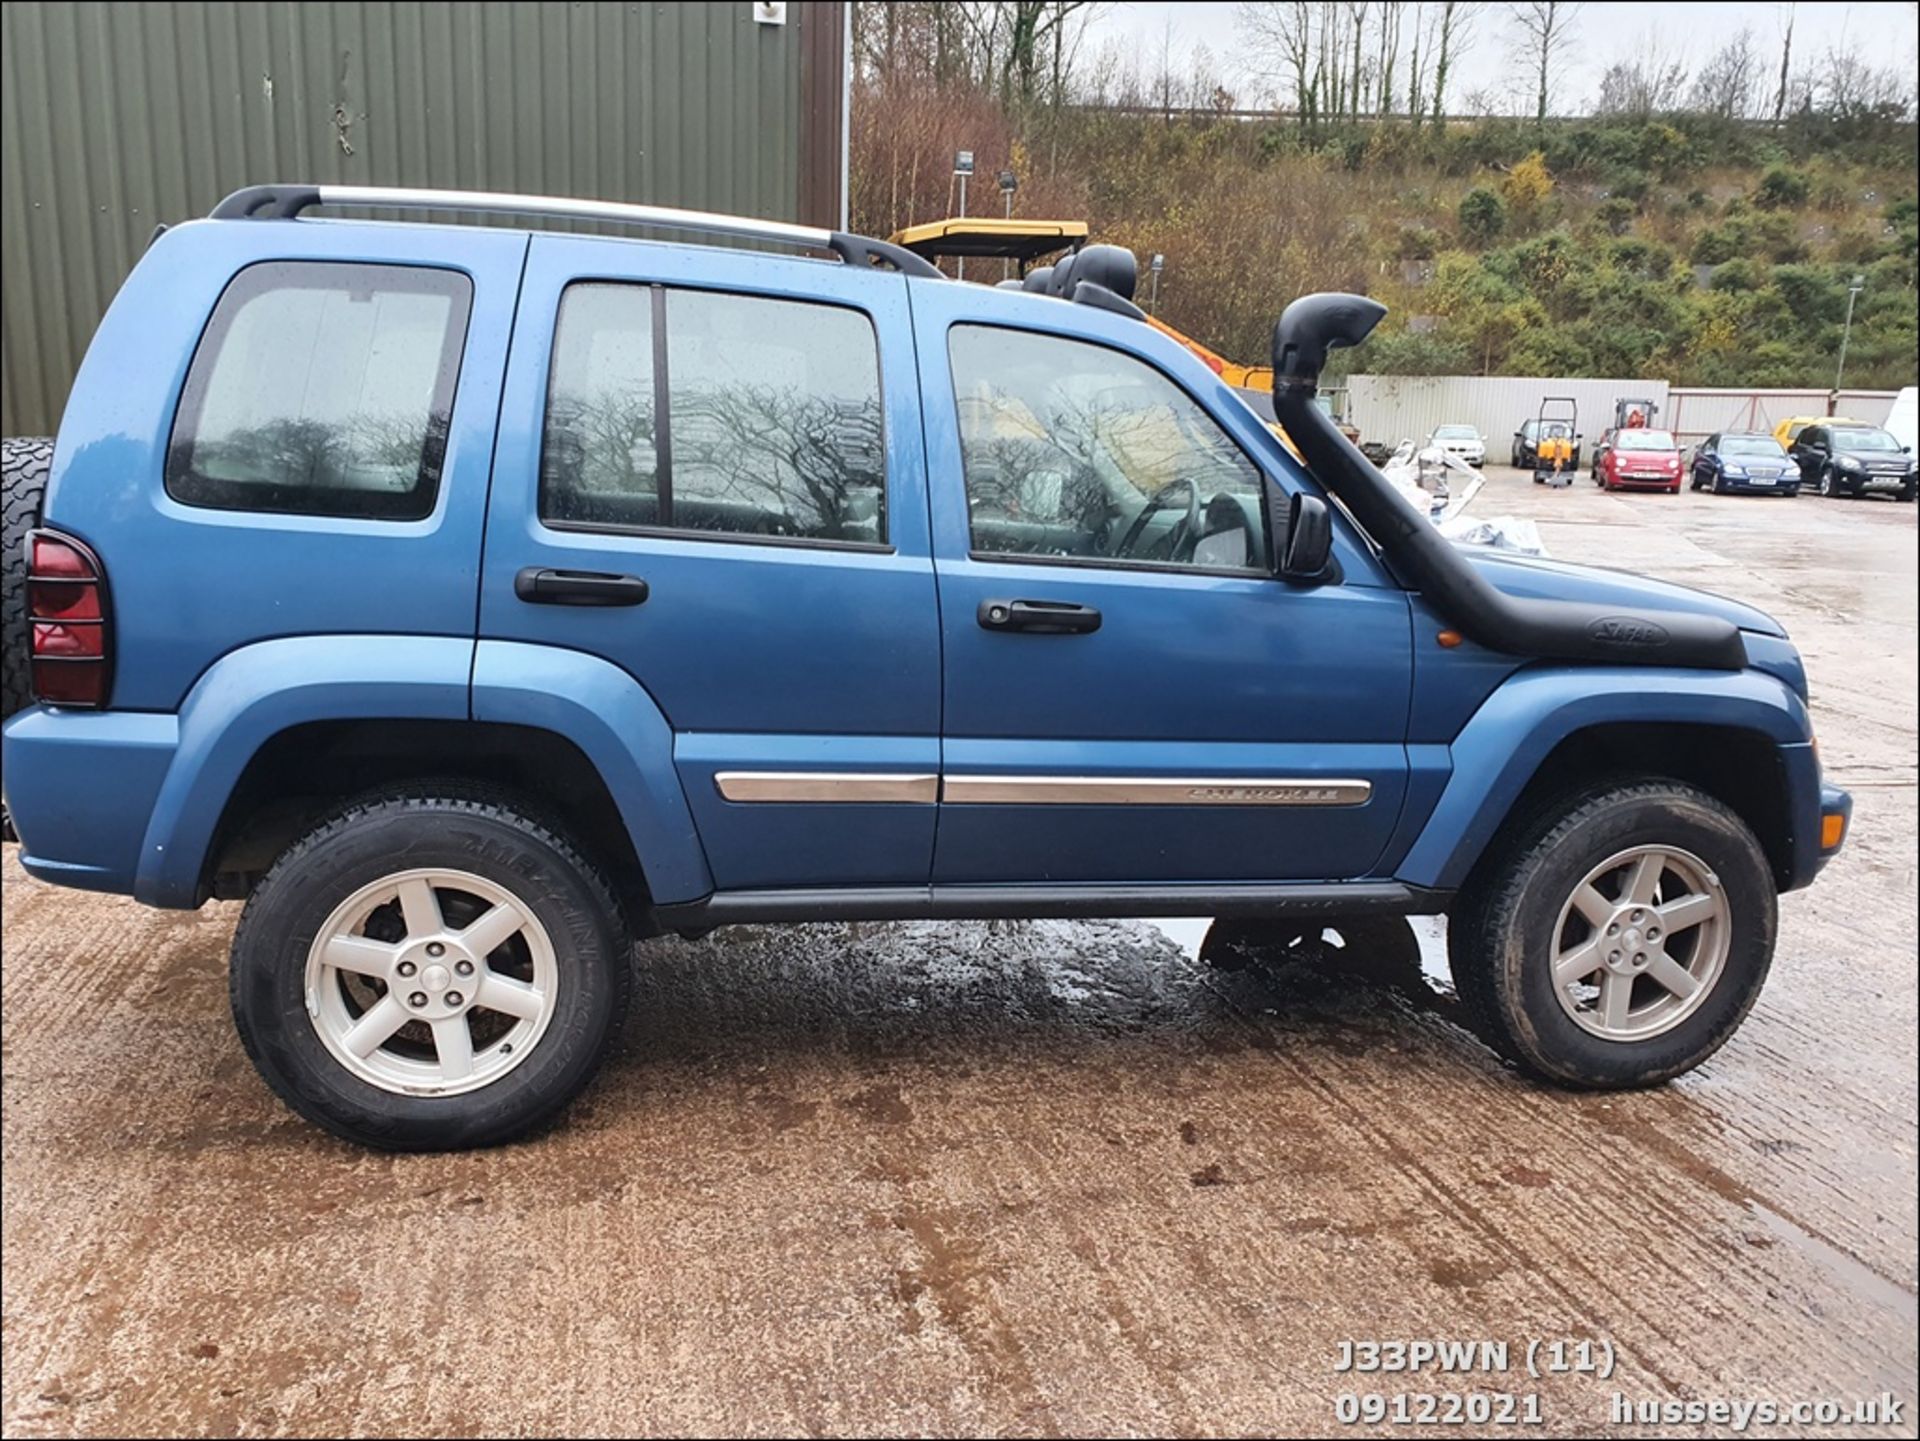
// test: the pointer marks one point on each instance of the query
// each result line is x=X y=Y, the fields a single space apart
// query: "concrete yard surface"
x=1049 y=1178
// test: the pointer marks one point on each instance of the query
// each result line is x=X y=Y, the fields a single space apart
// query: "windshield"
x=1644 y=440
x=1864 y=440
x=1751 y=445
x=1456 y=432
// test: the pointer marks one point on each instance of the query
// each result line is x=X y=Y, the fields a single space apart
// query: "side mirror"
x=1308 y=555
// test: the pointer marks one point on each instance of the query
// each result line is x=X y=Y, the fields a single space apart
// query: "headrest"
x=1009 y=285
x=1085 y=292
x=1037 y=279
x=1060 y=283
x=1112 y=267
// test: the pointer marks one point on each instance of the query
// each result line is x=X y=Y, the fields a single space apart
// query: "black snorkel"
x=1549 y=629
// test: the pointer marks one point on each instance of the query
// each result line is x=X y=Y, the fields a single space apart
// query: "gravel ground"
x=1045 y=1178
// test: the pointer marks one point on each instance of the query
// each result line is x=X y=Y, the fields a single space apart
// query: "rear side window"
x=695 y=410
x=323 y=389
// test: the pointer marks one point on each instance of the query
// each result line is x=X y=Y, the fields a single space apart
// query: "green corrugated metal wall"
x=116 y=117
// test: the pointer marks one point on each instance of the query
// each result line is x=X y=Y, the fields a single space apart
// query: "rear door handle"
x=539 y=586
x=1038 y=617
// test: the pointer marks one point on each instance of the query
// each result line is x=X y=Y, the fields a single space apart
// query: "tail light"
x=72 y=648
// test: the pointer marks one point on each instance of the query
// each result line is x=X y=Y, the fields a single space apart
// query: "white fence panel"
x=1392 y=408
x=1698 y=412
x=1871 y=406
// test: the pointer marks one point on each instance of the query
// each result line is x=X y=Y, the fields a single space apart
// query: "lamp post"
x=1009 y=182
x=1154 y=267
x=1854 y=287
x=963 y=167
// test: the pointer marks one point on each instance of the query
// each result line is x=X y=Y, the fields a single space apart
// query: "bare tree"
x=1391 y=16
x=1357 y=11
x=1455 y=32
x=1650 y=83
x=1280 y=34
x=1786 y=70
x=1031 y=29
x=1069 y=33
x=1416 y=72
x=1163 y=82
x=1329 y=91
x=1726 y=82
x=1544 y=30
x=1850 y=87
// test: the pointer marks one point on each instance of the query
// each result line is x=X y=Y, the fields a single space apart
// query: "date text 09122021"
x=1428 y=1408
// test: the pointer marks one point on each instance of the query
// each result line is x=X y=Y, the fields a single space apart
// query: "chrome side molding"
x=1154 y=791
x=869 y=788
x=842 y=787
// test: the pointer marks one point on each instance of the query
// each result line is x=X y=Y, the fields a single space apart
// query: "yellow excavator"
x=1022 y=242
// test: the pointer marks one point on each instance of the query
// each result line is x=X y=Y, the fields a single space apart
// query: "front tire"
x=430 y=971
x=1619 y=939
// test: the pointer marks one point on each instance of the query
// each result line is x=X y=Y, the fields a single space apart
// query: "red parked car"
x=1632 y=458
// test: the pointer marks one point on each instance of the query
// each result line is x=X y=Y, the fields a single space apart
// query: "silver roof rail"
x=286 y=202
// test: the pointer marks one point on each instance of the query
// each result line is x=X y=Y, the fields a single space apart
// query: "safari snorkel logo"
x=1627 y=632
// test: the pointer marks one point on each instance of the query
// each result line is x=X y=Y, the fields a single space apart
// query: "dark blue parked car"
x=471 y=601
x=1744 y=460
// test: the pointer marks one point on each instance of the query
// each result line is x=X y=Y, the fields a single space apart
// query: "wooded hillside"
x=1682 y=234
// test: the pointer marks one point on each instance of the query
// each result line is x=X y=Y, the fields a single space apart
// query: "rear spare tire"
x=23 y=487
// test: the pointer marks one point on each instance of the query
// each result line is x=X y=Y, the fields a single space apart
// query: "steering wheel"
x=1185 y=531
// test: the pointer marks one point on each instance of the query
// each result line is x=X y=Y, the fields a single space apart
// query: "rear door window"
x=733 y=415
x=322 y=389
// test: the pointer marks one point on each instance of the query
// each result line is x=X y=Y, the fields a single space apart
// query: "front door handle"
x=1038 y=617
x=539 y=586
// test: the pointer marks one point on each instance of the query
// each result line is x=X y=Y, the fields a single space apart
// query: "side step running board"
x=1056 y=902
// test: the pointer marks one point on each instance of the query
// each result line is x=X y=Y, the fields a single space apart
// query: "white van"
x=1902 y=421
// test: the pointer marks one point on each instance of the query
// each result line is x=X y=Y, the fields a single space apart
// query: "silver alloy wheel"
x=410 y=1002
x=1641 y=942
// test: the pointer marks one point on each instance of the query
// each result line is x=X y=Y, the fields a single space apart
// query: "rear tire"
x=555 y=986
x=1521 y=920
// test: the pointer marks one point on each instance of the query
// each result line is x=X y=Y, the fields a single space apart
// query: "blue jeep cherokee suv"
x=472 y=600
